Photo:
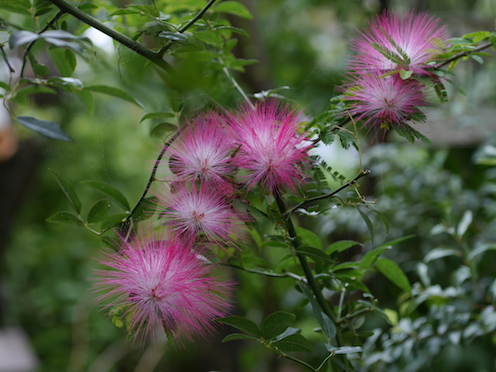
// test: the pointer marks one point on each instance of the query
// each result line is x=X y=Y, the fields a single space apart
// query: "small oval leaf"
x=294 y=342
x=393 y=272
x=112 y=91
x=276 y=323
x=65 y=218
x=243 y=324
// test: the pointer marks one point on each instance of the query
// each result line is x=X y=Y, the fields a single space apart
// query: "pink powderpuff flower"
x=385 y=101
x=203 y=152
x=198 y=213
x=163 y=288
x=413 y=38
x=270 y=147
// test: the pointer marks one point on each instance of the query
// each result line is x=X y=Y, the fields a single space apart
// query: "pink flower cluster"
x=393 y=55
x=163 y=281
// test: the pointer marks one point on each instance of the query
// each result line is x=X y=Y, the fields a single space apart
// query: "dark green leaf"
x=276 y=323
x=145 y=209
x=174 y=36
x=162 y=129
x=153 y=115
x=45 y=128
x=341 y=246
x=294 y=342
x=69 y=191
x=368 y=223
x=238 y=336
x=99 y=211
x=87 y=100
x=243 y=324
x=112 y=91
x=315 y=254
x=370 y=257
x=113 y=220
x=66 y=218
x=233 y=7
x=328 y=326
x=344 y=349
x=394 y=273
x=111 y=191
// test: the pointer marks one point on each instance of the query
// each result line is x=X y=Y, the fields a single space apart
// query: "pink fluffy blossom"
x=203 y=152
x=384 y=101
x=413 y=38
x=271 y=148
x=201 y=213
x=162 y=287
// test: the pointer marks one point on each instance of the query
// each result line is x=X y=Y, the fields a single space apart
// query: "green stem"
x=325 y=196
x=117 y=36
x=464 y=54
x=266 y=273
x=186 y=26
x=312 y=283
x=236 y=85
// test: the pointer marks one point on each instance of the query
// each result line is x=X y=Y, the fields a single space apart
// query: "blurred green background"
x=429 y=191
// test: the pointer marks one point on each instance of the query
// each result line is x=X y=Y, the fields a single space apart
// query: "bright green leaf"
x=154 y=115
x=113 y=220
x=309 y=238
x=341 y=246
x=393 y=272
x=233 y=7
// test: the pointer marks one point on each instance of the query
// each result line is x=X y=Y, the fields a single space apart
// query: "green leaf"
x=99 y=211
x=368 y=223
x=394 y=273
x=370 y=257
x=309 y=238
x=238 y=336
x=112 y=242
x=173 y=36
x=16 y=6
x=162 y=129
x=295 y=342
x=65 y=218
x=154 y=115
x=480 y=249
x=64 y=60
x=209 y=37
x=276 y=323
x=112 y=91
x=145 y=209
x=233 y=7
x=18 y=38
x=344 y=349
x=315 y=254
x=462 y=227
x=341 y=246
x=198 y=56
x=87 y=100
x=243 y=324
x=45 y=128
x=404 y=74
x=113 y=220
x=69 y=191
x=440 y=253
x=111 y=191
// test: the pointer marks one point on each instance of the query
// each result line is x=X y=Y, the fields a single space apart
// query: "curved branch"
x=117 y=36
x=363 y=173
x=464 y=54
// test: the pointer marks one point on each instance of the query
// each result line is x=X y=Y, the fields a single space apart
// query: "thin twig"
x=363 y=173
x=30 y=45
x=117 y=36
x=463 y=54
x=237 y=86
x=267 y=273
x=4 y=56
x=186 y=26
